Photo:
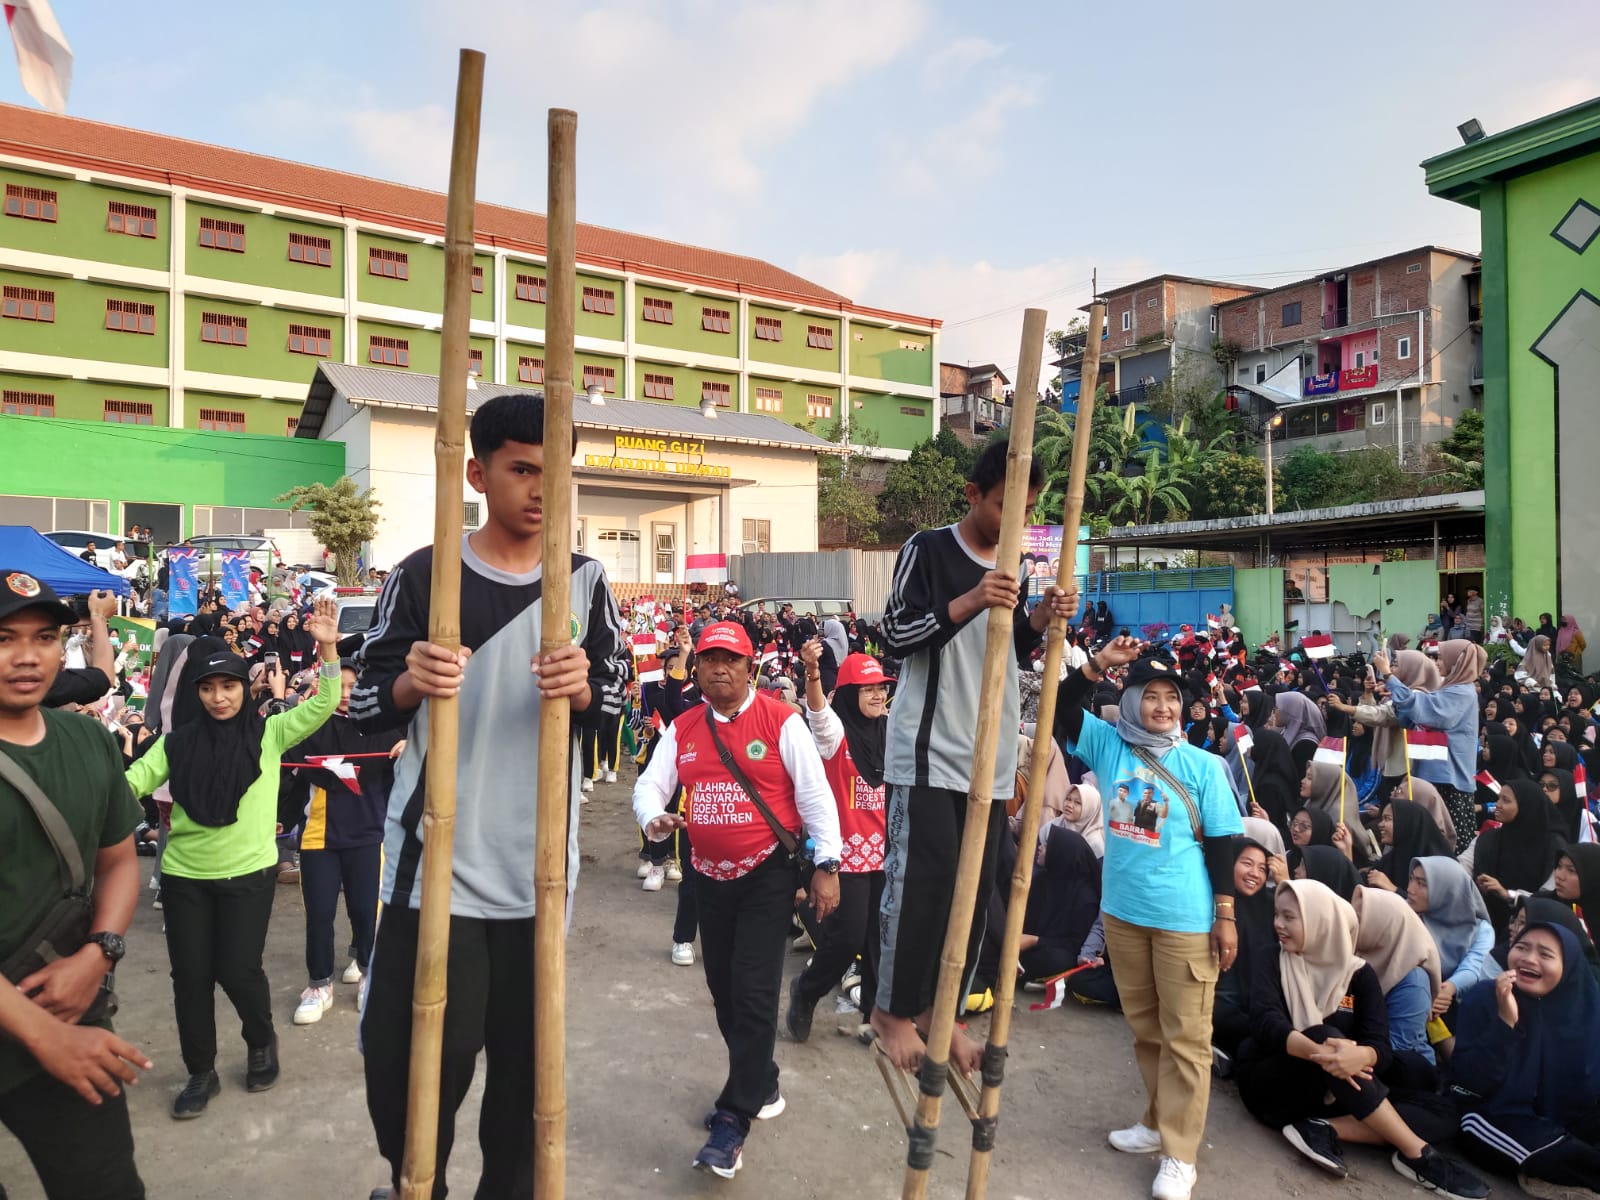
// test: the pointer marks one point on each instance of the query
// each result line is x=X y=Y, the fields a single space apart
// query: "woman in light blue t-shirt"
x=1167 y=891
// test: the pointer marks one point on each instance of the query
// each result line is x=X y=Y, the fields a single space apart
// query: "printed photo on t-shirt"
x=1138 y=811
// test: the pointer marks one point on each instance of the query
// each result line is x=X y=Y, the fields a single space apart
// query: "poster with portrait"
x=1138 y=809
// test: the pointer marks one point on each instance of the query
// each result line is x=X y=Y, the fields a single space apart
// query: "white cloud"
x=968 y=149
x=952 y=62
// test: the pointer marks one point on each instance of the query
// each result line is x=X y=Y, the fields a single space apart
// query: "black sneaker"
x=800 y=1013
x=196 y=1094
x=1318 y=1142
x=723 y=1153
x=261 y=1067
x=1439 y=1173
x=772 y=1108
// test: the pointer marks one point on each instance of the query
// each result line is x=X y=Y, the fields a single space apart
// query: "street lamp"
x=1275 y=422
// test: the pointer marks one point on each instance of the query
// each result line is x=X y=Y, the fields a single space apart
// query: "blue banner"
x=235 y=578
x=183 y=588
x=1322 y=385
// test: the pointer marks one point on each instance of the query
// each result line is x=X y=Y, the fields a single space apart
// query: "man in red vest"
x=750 y=768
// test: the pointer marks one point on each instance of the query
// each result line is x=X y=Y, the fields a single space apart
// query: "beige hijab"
x=1461 y=661
x=1091 y=821
x=1326 y=782
x=1316 y=980
x=1056 y=780
x=1536 y=662
x=1393 y=939
x=1425 y=795
x=1419 y=673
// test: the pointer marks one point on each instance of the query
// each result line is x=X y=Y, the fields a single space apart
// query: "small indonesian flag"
x=1055 y=989
x=1427 y=745
x=656 y=722
x=335 y=764
x=769 y=653
x=1331 y=751
x=644 y=644
x=651 y=670
x=1211 y=679
x=1317 y=645
x=705 y=568
x=1242 y=739
x=1580 y=780
x=44 y=60
x=1212 y=621
x=1430 y=647
x=1586 y=832
x=1489 y=781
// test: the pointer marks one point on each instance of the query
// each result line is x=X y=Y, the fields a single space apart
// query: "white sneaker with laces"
x=683 y=954
x=1138 y=1138
x=587 y=785
x=314 y=1001
x=644 y=868
x=1174 y=1180
x=611 y=776
x=653 y=878
x=674 y=873
x=352 y=973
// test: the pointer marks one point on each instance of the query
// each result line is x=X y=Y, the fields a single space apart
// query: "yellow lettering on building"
x=656 y=466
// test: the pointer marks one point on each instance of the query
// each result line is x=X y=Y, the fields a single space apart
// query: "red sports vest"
x=727 y=833
x=861 y=814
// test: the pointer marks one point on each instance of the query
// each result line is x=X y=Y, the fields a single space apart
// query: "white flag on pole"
x=44 y=60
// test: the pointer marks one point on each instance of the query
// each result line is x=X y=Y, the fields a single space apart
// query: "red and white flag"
x=335 y=764
x=1489 y=781
x=644 y=644
x=1242 y=739
x=1331 y=751
x=651 y=670
x=44 y=60
x=1580 y=780
x=705 y=568
x=1055 y=989
x=1317 y=645
x=1212 y=621
x=1427 y=745
x=769 y=653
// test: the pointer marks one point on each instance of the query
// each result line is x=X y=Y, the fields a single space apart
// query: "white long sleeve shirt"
x=796 y=747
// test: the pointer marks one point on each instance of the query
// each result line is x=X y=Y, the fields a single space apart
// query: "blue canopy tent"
x=23 y=548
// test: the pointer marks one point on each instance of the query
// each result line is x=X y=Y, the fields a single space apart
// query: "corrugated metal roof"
x=409 y=389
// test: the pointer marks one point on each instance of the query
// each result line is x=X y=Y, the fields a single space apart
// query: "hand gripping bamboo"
x=994 y=1058
x=555 y=716
x=444 y=629
x=997 y=651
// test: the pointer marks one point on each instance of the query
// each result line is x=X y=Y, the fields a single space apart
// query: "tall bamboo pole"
x=444 y=629
x=980 y=796
x=983 y=1129
x=555 y=716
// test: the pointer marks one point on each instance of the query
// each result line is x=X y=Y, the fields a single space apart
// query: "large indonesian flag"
x=44 y=60
x=705 y=568
x=1317 y=645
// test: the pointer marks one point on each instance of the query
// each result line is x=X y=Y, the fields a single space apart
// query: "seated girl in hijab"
x=1320 y=1042
x=1230 y=1013
x=1577 y=885
x=1442 y=893
x=1325 y=865
x=1406 y=832
x=1081 y=812
x=1560 y=786
x=1063 y=902
x=1398 y=946
x=1268 y=778
x=1326 y=787
x=1517 y=858
x=1310 y=827
x=1528 y=1067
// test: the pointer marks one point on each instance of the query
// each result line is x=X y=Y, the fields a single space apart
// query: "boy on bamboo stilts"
x=501 y=680
x=945 y=580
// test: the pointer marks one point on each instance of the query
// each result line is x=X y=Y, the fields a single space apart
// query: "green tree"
x=343 y=519
x=926 y=490
x=1460 y=456
x=1307 y=478
x=964 y=457
x=1235 y=485
x=842 y=493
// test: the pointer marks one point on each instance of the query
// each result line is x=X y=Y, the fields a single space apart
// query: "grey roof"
x=389 y=387
x=1375 y=514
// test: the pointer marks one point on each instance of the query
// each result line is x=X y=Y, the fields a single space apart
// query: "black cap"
x=223 y=662
x=1151 y=665
x=19 y=590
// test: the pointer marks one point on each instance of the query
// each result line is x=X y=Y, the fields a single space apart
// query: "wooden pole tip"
x=473 y=56
x=563 y=114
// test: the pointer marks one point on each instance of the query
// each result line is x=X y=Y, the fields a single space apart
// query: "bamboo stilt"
x=983 y=1127
x=980 y=796
x=444 y=629
x=556 y=752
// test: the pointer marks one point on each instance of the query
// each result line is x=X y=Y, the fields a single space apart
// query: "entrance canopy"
x=25 y=549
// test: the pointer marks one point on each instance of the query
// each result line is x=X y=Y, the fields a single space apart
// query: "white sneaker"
x=644 y=868
x=588 y=785
x=674 y=873
x=653 y=878
x=352 y=973
x=314 y=1001
x=1136 y=1139
x=611 y=776
x=683 y=954
x=1174 y=1180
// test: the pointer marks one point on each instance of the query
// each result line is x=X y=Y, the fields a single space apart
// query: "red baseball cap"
x=725 y=635
x=864 y=670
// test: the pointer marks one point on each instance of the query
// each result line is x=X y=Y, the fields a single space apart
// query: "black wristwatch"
x=111 y=945
x=830 y=865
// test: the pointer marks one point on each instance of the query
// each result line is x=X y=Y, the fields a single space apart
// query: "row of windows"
x=130 y=316
x=766 y=399
x=128 y=412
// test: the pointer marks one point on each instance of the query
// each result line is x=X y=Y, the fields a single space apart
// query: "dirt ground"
x=644 y=1062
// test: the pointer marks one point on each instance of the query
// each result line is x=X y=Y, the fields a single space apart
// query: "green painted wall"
x=524 y=312
x=685 y=332
x=265 y=261
x=895 y=429
x=1405 y=592
x=598 y=325
x=1258 y=603
x=584 y=359
x=423 y=289
x=84 y=399
x=876 y=353
x=482 y=302
x=80 y=230
x=424 y=347
x=79 y=330
x=794 y=398
x=266 y=355
x=686 y=383
x=792 y=351
x=261 y=416
x=137 y=464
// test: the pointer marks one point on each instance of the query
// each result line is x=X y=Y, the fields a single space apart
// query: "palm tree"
x=1162 y=483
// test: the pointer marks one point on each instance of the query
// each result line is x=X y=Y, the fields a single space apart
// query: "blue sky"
x=959 y=160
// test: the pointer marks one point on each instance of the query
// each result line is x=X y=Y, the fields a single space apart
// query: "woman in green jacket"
x=220 y=869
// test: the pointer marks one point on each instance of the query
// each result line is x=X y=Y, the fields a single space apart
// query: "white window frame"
x=1378 y=414
x=1127 y=319
x=1360 y=359
x=1403 y=348
x=1213 y=322
x=658 y=548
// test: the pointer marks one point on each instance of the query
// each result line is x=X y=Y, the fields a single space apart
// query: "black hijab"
x=1415 y=836
x=1274 y=778
x=1329 y=867
x=1253 y=918
x=1521 y=854
x=213 y=763
x=1064 y=901
x=1321 y=825
x=1505 y=759
x=864 y=735
x=296 y=645
x=1569 y=809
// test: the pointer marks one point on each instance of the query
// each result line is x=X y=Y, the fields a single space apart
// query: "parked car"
x=76 y=541
x=828 y=606
x=264 y=553
x=355 y=612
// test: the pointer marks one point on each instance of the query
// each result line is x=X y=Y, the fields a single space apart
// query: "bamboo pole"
x=980 y=796
x=444 y=629
x=983 y=1126
x=555 y=716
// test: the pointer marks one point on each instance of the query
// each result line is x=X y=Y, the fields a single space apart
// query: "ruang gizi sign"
x=672 y=456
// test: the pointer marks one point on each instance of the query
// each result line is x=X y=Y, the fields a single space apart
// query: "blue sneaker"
x=723 y=1153
x=772 y=1108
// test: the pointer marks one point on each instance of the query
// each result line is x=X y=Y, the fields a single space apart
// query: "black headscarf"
x=1505 y=759
x=1566 y=754
x=1521 y=854
x=865 y=736
x=1416 y=835
x=1064 y=901
x=297 y=647
x=1331 y=868
x=213 y=763
x=1321 y=824
x=1253 y=917
x=1569 y=809
x=1274 y=778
